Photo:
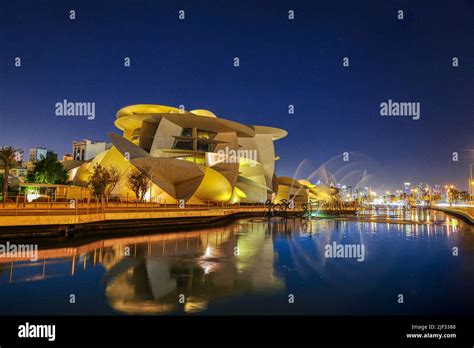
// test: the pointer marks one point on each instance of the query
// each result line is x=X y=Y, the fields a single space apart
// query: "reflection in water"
x=183 y=272
x=256 y=262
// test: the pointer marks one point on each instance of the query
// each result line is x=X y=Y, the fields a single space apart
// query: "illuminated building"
x=196 y=157
x=19 y=155
x=67 y=157
x=192 y=156
x=38 y=153
x=407 y=187
x=87 y=149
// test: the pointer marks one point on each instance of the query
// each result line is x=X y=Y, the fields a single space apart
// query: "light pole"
x=471 y=182
x=151 y=188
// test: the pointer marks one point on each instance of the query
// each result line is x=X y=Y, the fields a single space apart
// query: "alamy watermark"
x=20 y=251
x=28 y=330
x=234 y=156
x=82 y=109
x=392 y=108
x=345 y=251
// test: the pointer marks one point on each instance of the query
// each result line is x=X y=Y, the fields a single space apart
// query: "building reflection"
x=185 y=273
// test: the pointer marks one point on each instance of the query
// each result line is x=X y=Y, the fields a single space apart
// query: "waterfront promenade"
x=62 y=216
x=464 y=212
x=81 y=216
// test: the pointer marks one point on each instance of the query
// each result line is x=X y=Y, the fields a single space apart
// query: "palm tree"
x=7 y=161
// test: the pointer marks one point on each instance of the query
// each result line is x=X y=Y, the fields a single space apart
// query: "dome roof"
x=145 y=109
x=202 y=112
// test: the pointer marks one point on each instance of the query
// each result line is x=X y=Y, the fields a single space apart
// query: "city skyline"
x=336 y=107
x=87 y=149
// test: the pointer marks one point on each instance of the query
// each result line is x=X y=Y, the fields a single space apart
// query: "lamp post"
x=471 y=182
x=151 y=188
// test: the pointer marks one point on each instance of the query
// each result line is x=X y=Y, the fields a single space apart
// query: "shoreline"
x=92 y=234
x=70 y=226
x=113 y=222
x=152 y=222
x=119 y=223
x=457 y=212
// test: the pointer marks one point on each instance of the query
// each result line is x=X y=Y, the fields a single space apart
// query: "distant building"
x=365 y=191
x=19 y=155
x=68 y=157
x=87 y=149
x=345 y=191
x=38 y=153
x=16 y=175
x=407 y=187
x=19 y=172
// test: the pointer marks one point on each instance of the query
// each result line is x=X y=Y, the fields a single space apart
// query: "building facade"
x=192 y=156
x=87 y=149
x=19 y=156
x=38 y=153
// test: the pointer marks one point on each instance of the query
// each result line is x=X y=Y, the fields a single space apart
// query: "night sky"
x=282 y=62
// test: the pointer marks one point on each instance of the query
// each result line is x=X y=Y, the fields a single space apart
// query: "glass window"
x=187 y=132
x=183 y=144
x=205 y=135
x=202 y=146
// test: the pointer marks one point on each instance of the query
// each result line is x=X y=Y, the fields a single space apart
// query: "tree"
x=456 y=195
x=49 y=171
x=426 y=197
x=114 y=178
x=7 y=162
x=103 y=181
x=139 y=183
x=2 y=178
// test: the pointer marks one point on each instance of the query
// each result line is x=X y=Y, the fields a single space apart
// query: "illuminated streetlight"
x=472 y=182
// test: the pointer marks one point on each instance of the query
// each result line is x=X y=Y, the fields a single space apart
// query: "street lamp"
x=471 y=182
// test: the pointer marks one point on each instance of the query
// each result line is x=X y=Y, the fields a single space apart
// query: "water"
x=256 y=266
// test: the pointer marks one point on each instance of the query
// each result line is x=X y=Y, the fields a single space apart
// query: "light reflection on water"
x=251 y=266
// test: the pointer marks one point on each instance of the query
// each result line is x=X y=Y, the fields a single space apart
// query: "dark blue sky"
x=283 y=62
